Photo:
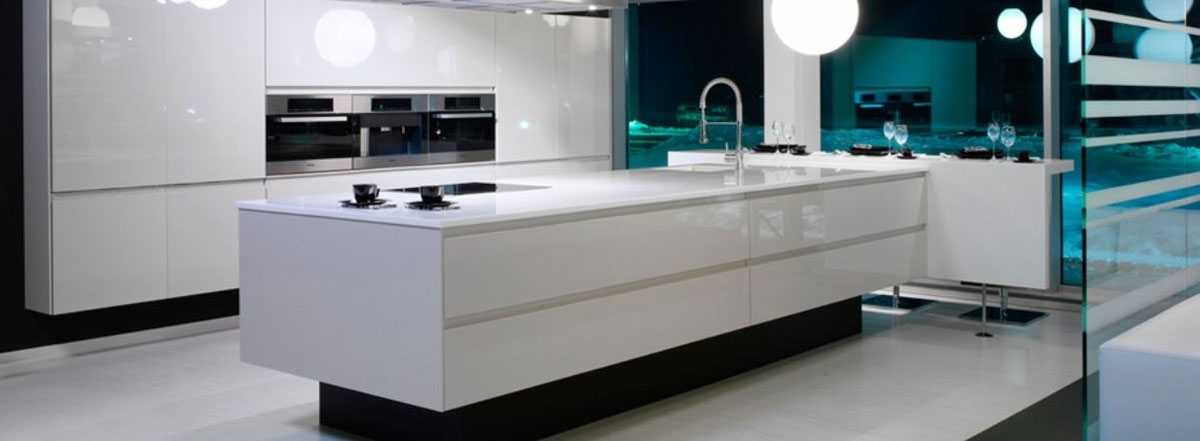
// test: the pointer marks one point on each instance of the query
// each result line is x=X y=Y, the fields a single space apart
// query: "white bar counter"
x=989 y=221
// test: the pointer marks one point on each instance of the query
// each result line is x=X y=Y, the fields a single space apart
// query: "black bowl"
x=364 y=193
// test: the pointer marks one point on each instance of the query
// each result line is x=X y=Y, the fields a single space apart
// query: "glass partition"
x=1140 y=171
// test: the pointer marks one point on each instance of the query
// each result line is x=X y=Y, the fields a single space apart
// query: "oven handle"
x=462 y=115
x=311 y=119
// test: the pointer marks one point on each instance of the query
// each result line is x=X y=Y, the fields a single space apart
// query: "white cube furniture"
x=1150 y=379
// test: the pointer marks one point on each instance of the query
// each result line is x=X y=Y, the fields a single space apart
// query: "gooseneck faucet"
x=737 y=94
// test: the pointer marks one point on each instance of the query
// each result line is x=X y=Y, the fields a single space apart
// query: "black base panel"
x=1011 y=317
x=1058 y=417
x=561 y=405
x=905 y=302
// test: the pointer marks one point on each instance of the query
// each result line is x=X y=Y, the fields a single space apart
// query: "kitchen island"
x=566 y=299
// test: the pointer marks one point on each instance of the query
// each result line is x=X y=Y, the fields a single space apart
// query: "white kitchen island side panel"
x=308 y=283
x=514 y=267
x=494 y=358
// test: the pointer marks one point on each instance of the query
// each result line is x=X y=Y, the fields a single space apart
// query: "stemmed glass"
x=993 y=133
x=1008 y=137
x=889 y=132
x=902 y=135
x=776 y=127
x=789 y=132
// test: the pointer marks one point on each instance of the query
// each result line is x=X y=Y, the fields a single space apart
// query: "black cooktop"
x=466 y=188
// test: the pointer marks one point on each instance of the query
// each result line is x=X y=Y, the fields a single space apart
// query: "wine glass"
x=776 y=127
x=902 y=135
x=1008 y=137
x=889 y=132
x=993 y=133
x=789 y=132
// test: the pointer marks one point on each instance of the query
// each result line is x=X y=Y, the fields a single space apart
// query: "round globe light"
x=209 y=4
x=1168 y=10
x=814 y=27
x=1080 y=31
x=1164 y=46
x=344 y=37
x=1012 y=23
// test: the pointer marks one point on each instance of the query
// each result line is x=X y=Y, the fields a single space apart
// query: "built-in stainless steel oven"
x=310 y=134
x=391 y=130
x=462 y=128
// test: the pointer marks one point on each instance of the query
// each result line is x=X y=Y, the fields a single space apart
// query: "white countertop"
x=579 y=193
x=828 y=159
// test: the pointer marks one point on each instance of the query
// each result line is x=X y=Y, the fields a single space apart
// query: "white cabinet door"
x=110 y=248
x=108 y=77
x=202 y=242
x=584 y=83
x=215 y=92
x=334 y=43
x=525 y=98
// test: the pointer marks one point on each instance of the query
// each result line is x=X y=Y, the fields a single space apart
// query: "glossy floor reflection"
x=919 y=377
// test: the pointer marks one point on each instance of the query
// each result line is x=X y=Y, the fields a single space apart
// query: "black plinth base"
x=561 y=405
x=885 y=301
x=1010 y=317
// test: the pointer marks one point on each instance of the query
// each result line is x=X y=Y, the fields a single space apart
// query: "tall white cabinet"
x=144 y=125
x=554 y=87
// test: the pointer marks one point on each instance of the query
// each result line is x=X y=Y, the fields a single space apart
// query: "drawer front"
x=798 y=284
x=790 y=222
x=494 y=358
x=507 y=268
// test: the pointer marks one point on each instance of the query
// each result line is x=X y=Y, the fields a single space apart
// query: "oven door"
x=301 y=144
x=462 y=137
x=391 y=140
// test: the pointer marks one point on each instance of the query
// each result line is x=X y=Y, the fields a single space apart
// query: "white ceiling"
x=513 y=6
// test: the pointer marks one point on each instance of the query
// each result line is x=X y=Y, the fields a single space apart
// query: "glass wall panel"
x=674 y=49
x=1140 y=179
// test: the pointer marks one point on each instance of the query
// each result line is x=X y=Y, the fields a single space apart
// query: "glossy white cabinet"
x=108 y=83
x=527 y=122
x=584 y=84
x=330 y=43
x=576 y=257
x=202 y=238
x=110 y=248
x=785 y=287
x=796 y=221
x=490 y=359
x=215 y=92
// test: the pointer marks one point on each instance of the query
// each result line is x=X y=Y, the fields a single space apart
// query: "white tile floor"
x=918 y=377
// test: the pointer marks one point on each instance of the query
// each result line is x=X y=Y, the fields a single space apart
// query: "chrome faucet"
x=735 y=157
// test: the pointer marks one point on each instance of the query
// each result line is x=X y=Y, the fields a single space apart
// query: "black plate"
x=975 y=153
x=766 y=148
x=432 y=206
x=869 y=151
x=377 y=203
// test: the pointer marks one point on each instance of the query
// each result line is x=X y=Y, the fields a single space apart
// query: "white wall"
x=792 y=85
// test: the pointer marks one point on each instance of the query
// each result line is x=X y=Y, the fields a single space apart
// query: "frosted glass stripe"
x=1102 y=141
x=1134 y=214
x=1139 y=22
x=1113 y=71
x=1112 y=109
x=1140 y=190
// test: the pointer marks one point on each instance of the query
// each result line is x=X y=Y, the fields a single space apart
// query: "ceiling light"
x=344 y=37
x=1164 y=46
x=814 y=27
x=1079 y=30
x=593 y=7
x=1012 y=23
x=1168 y=10
x=528 y=12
